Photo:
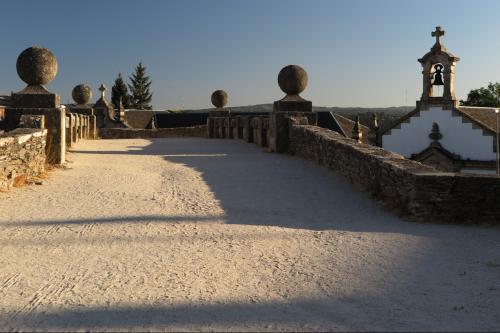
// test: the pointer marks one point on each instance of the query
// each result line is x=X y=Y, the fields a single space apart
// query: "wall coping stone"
x=20 y=135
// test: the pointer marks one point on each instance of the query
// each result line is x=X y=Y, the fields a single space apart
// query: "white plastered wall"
x=458 y=137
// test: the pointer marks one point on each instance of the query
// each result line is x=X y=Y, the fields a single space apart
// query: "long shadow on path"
x=258 y=188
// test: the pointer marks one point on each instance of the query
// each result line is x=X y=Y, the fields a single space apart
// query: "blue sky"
x=357 y=53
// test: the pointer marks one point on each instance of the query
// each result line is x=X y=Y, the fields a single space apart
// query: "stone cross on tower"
x=102 y=89
x=438 y=34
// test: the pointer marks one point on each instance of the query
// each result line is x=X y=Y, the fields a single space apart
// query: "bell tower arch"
x=438 y=69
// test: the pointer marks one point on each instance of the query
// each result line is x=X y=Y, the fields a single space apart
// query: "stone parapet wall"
x=411 y=188
x=22 y=156
x=249 y=128
x=54 y=122
x=80 y=126
x=132 y=133
x=455 y=197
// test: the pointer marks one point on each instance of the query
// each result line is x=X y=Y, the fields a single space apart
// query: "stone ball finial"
x=292 y=79
x=219 y=98
x=82 y=94
x=36 y=66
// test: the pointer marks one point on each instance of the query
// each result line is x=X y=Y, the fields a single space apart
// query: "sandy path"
x=194 y=234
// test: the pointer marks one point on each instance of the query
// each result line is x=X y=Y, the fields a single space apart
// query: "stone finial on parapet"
x=376 y=130
x=219 y=99
x=36 y=66
x=375 y=121
x=82 y=94
x=292 y=80
x=357 y=134
x=215 y=127
x=121 y=110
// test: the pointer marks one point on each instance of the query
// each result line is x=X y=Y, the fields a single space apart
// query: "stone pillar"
x=220 y=128
x=240 y=127
x=247 y=133
x=87 y=132
x=82 y=126
x=87 y=127
x=59 y=130
x=258 y=131
x=228 y=129
x=77 y=128
x=235 y=126
x=265 y=131
x=357 y=134
x=37 y=66
x=93 y=127
x=210 y=127
x=68 y=130
x=74 y=133
x=219 y=99
x=292 y=80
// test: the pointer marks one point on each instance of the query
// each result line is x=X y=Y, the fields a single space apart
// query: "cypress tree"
x=118 y=90
x=139 y=89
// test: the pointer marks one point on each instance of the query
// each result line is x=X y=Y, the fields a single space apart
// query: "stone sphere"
x=82 y=94
x=219 y=98
x=292 y=79
x=36 y=66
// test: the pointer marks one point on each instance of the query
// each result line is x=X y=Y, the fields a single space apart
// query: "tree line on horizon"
x=139 y=97
x=485 y=96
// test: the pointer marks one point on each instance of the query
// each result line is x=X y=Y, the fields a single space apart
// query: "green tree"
x=118 y=90
x=486 y=96
x=139 y=89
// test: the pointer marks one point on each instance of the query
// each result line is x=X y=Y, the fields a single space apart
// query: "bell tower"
x=438 y=70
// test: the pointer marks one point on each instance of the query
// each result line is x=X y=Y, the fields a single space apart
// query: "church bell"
x=438 y=75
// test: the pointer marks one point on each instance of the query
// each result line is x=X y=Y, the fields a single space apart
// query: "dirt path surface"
x=195 y=234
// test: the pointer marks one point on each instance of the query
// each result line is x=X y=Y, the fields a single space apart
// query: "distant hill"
x=387 y=116
x=247 y=108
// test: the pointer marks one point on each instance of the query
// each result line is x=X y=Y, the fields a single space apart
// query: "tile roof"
x=346 y=125
x=139 y=119
x=483 y=117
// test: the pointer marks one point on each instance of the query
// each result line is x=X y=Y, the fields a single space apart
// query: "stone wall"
x=22 y=156
x=249 y=128
x=411 y=188
x=54 y=122
x=132 y=133
x=80 y=126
